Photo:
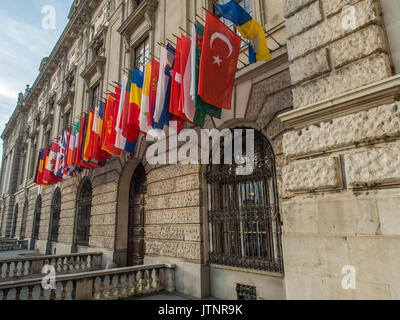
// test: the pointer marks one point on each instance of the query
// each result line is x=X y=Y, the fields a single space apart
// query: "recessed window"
x=142 y=53
x=94 y=99
x=243 y=212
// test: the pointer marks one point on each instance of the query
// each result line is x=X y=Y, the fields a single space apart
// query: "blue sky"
x=24 y=42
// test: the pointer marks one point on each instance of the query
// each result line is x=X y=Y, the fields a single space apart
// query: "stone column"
x=339 y=155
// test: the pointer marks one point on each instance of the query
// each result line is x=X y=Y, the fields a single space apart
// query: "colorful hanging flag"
x=162 y=86
x=44 y=183
x=87 y=154
x=40 y=170
x=109 y=127
x=132 y=128
x=218 y=63
x=144 y=109
x=120 y=140
x=248 y=28
x=155 y=70
x=48 y=176
x=200 y=104
x=101 y=155
x=63 y=154
x=74 y=157
x=71 y=145
x=186 y=69
x=81 y=148
x=166 y=117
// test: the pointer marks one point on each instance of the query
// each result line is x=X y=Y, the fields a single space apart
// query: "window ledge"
x=245 y=270
x=373 y=95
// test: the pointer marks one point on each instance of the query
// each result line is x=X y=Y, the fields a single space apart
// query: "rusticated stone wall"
x=172 y=225
x=342 y=175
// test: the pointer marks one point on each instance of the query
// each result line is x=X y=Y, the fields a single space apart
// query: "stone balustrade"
x=110 y=284
x=63 y=264
x=13 y=244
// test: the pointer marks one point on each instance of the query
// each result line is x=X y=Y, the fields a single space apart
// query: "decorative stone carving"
x=374 y=166
x=312 y=175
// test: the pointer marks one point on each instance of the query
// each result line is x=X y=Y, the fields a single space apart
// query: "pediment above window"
x=144 y=11
x=94 y=69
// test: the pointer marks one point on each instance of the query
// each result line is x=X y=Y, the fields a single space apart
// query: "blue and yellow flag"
x=249 y=29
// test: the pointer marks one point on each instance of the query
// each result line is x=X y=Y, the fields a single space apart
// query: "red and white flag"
x=218 y=65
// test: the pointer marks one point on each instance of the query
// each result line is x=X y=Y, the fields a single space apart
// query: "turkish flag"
x=218 y=64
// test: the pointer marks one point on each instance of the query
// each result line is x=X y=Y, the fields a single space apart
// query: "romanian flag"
x=40 y=171
x=248 y=28
x=43 y=163
x=132 y=130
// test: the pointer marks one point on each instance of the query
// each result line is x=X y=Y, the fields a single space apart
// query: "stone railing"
x=13 y=244
x=63 y=264
x=97 y=285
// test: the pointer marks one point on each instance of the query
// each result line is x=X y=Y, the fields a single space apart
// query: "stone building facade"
x=326 y=105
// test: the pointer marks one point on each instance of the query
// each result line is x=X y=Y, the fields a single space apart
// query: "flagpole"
x=200 y=18
x=185 y=31
x=171 y=42
x=154 y=56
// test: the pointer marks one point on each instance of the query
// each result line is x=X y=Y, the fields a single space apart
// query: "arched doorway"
x=137 y=205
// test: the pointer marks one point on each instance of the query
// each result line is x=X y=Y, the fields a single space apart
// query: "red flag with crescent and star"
x=218 y=64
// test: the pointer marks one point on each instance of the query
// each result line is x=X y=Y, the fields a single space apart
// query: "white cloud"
x=8 y=91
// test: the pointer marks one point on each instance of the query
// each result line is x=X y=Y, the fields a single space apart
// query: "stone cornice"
x=369 y=96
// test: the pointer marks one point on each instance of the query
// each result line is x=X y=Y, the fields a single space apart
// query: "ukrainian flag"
x=249 y=29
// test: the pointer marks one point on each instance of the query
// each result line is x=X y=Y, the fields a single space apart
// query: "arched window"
x=243 y=211
x=23 y=222
x=55 y=215
x=36 y=220
x=84 y=204
x=14 y=222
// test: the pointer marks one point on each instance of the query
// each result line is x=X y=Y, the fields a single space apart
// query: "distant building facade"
x=324 y=194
